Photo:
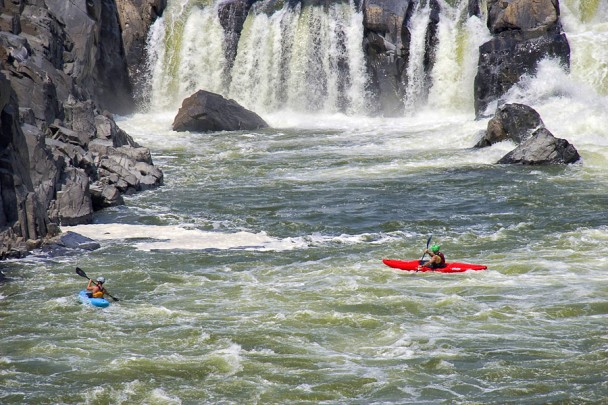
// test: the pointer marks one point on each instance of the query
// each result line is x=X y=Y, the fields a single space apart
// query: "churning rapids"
x=254 y=274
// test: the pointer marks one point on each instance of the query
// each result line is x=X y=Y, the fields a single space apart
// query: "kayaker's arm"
x=432 y=261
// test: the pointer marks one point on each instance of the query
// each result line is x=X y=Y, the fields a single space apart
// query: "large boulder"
x=524 y=126
x=205 y=111
x=542 y=148
x=514 y=122
x=525 y=32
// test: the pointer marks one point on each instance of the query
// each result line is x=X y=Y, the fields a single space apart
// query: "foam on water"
x=278 y=293
x=179 y=238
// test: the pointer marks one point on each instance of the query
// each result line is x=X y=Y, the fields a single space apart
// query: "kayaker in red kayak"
x=437 y=260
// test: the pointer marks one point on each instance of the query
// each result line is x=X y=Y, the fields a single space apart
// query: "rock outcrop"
x=542 y=148
x=135 y=17
x=514 y=122
x=386 y=45
x=232 y=15
x=536 y=144
x=63 y=67
x=205 y=111
x=525 y=32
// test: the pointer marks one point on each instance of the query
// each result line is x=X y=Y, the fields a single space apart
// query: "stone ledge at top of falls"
x=209 y=112
x=525 y=32
x=536 y=145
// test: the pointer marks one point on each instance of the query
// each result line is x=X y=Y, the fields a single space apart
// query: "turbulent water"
x=254 y=274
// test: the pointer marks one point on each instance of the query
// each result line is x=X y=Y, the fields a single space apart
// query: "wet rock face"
x=525 y=32
x=386 y=46
x=536 y=144
x=63 y=67
x=205 y=111
x=513 y=122
x=542 y=148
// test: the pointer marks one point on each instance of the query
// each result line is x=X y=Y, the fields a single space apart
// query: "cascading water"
x=254 y=274
x=586 y=25
x=457 y=52
x=416 y=76
x=301 y=58
x=181 y=59
x=310 y=58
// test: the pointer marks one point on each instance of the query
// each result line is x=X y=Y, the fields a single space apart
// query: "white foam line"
x=175 y=237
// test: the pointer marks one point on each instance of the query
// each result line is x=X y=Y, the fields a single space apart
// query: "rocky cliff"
x=66 y=67
x=524 y=33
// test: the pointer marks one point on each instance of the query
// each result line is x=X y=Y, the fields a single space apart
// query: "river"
x=254 y=275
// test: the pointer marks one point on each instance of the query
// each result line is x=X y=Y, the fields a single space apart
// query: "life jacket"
x=442 y=264
x=99 y=293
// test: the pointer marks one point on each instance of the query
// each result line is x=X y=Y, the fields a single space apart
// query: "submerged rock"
x=73 y=240
x=205 y=111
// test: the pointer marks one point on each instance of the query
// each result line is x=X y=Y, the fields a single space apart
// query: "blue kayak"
x=96 y=302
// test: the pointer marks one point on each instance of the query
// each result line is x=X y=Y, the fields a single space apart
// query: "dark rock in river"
x=525 y=32
x=524 y=126
x=205 y=111
x=514 y=122
x=74 y=240
x=542 y=148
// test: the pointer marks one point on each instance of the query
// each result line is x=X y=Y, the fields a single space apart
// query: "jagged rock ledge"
x=65 y=67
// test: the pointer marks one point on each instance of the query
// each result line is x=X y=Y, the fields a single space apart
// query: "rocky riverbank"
x=66 y=67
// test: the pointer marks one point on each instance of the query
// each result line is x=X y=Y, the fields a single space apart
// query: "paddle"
x=428 y=242
x=81 y=273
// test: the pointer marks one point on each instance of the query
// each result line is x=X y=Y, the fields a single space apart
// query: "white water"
x=306 y=59
x=457 y=54
x=286 y=67
x=416 y=76
x=586 y=25
x=254 y=276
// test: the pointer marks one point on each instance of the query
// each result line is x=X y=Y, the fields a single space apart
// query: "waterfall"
x=185 y=53
x=456 y=56
x=416 y=75
x=453 y=73
x=586 y=25
x=302 y=58
x=310 y=58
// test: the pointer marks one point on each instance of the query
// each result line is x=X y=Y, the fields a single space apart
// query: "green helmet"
x=435 y=248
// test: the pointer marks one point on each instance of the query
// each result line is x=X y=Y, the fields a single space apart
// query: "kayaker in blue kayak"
x=96 y=289
x=437 y=260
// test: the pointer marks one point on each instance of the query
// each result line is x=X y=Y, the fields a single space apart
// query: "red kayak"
x=453 y=267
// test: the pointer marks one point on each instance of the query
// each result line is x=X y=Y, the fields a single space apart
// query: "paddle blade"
x=81 y=273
